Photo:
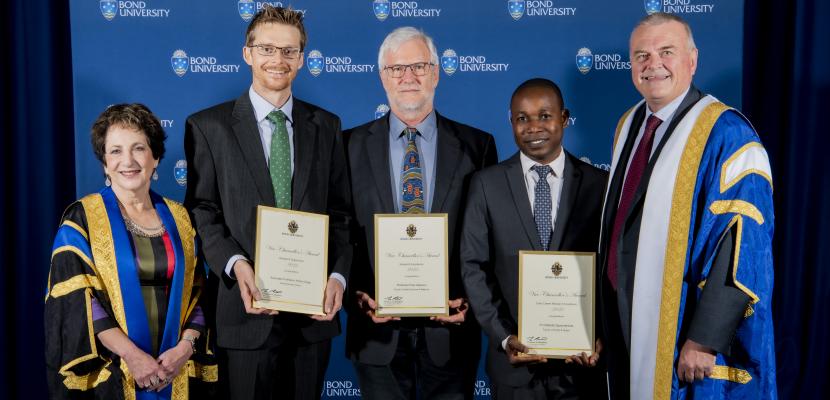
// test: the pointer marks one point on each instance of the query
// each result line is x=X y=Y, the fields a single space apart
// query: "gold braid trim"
x=738 y=238
x=186 y=235
x=736 y=375
x=677 y=246
x=88 y=381
x=620 y=124
x=71 y=378
x=724 y=185
x=206 y=373
x=103 y=251
x=737 y=207
x=74 y=283
x=76 y=227
x=749 y=311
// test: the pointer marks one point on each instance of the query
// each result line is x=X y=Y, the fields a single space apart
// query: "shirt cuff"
x=231 y=262
x=504 y=343
x=340 y=278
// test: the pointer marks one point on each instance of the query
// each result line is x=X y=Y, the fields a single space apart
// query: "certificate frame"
x=409 y=310
x=287 y=232
x=556 y=257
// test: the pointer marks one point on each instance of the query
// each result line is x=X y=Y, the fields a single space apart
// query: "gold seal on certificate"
x=556 y=302
x=411 y=265
x=291 y=260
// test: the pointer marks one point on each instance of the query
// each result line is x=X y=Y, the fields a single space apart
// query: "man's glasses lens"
x=268 y=50
x=418 y=69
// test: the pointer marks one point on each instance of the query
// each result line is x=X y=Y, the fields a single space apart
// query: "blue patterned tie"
x=412 y=201
x=542 y=205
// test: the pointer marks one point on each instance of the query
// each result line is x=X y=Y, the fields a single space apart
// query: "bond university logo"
x=605 y=167
x=677 y=6
x=537 y=8
x=314 y=61
x=129 y=8
x=182 y=63
x=411 y=230
x=109 y=8
x=652 y=6
x=449 y=61
x=381 y=9
x=381 y=111
x=556 y=268
x=516 y=8
x=246 y=9
x=587 y=61
x=384 y=9
x=452 y=62
x=584 y=60
x=293 y=226
x=179 y=62
x=317 y=63
x=180 y=172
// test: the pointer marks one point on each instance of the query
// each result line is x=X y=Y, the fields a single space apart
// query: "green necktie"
x=279 y=160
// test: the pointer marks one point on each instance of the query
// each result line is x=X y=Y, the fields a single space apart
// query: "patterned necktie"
x=542 y=205
x=279 y=160
x=412 y=201
x=632 y=181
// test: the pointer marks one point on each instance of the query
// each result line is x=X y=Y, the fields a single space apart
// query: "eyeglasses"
x=288 y=53
x=418 y=69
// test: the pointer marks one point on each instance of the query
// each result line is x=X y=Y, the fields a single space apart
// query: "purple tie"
x=632 y=181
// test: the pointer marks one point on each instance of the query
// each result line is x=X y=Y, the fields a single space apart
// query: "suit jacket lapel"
x=570 y=187
x=448 y=155
x=516 y=182
x=377 y=148
x=305 y=143
x=691 y=98
x=247 y=135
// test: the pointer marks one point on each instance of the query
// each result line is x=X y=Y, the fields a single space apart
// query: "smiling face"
x=662 y=64
x=410 y=94
x=538 y=122
x=128 y=159
x=272 y=75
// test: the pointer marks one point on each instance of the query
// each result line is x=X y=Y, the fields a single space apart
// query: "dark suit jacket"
x=717 y=316
x=228 y=178
x=461 y=151
x=498 y=223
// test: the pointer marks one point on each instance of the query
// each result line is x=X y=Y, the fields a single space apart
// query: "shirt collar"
x=666 y=112
x=262 y=107
x=428 y=128
x=557 y=165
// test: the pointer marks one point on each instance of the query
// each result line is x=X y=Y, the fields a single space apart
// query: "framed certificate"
x=291 y=260
x=411 y=265
x=556 y=302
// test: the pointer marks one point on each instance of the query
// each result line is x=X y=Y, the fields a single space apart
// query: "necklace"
x=137 y=229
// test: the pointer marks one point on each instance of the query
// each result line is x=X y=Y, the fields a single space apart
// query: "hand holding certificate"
x=411 y=265
x=291 y=260
x=556 y=303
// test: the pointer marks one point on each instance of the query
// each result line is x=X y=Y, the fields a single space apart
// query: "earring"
x=107 y=181
x=155 y=175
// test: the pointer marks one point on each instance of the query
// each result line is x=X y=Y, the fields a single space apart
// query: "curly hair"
x=135 y=116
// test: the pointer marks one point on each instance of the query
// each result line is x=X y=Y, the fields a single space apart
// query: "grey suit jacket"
x=461 y=151
x=497 y=224
x=228 y=178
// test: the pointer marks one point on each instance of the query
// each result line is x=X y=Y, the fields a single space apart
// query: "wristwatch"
x=192 y=341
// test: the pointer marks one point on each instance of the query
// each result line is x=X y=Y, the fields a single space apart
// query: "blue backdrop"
x=178 y=57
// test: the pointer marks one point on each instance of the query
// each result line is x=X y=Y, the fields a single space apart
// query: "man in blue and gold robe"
x=685 y=250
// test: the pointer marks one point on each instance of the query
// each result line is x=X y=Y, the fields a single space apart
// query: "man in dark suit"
x=396 y=357
x=268 y=148
x=541 y=198
x=686 y=234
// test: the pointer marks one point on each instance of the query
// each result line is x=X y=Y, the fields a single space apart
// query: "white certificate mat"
x=411 y=265
x=291 y=260
x=556 y=302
